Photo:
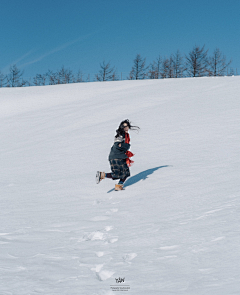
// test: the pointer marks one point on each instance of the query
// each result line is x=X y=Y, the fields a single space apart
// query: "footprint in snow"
x=108 y=228
x=97 y=267
x=128 y=257
x=97 y=235
x=99 y=254
x=104 y=275
x=112 y=240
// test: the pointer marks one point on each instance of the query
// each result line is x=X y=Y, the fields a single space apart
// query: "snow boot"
x=118 y=187
x=100 y=176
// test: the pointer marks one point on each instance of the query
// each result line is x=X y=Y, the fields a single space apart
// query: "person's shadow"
x=140 y=176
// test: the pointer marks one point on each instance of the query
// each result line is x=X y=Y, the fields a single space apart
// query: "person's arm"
x=123 y=146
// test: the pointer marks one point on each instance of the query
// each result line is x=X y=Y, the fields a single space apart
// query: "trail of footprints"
x=101 y=270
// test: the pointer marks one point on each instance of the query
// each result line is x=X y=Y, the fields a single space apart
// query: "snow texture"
x=175 y=229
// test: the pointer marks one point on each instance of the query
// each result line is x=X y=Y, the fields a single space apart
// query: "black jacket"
x=118 y=152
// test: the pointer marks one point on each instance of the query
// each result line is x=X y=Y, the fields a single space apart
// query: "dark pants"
x=120 y=169
x=109 y=175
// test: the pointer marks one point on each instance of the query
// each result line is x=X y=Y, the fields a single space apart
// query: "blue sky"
x=77 y=34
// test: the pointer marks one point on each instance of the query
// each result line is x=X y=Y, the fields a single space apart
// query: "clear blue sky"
x=80 y=34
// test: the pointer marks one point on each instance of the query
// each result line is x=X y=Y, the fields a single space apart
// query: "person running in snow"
x=119 y=156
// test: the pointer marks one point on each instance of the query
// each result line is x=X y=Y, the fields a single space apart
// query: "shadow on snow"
x=140 y=176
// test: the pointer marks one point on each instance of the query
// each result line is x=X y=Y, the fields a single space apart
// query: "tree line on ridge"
x=196 y=64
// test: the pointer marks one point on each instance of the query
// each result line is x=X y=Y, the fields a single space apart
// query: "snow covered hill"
x=175 y=229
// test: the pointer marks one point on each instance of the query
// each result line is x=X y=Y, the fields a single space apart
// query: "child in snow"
x=119 y=156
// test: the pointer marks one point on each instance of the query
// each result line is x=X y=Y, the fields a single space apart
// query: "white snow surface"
x=175 y=229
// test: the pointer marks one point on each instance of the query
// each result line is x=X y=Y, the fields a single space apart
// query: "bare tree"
x=167 y=69
x=39 y=80
x=106 y=73
x=114 y=76
x=79 y=77
x=14 y=78
x=178 y=67
x=2 y=80
x=154 y=69
x=197 y=62
x=51 y=78
x=64 y=76
x=218 y=64
x=171 y=68
x=139 y=70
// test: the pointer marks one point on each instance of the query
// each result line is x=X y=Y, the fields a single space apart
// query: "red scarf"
x=128 y=153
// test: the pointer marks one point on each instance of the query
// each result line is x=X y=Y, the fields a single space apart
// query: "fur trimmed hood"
x=119 y=139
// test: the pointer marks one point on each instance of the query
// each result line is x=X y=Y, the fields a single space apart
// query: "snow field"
x=175 y=227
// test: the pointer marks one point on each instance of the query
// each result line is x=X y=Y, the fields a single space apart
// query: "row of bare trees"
x=13 y=79
x=196 y=64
